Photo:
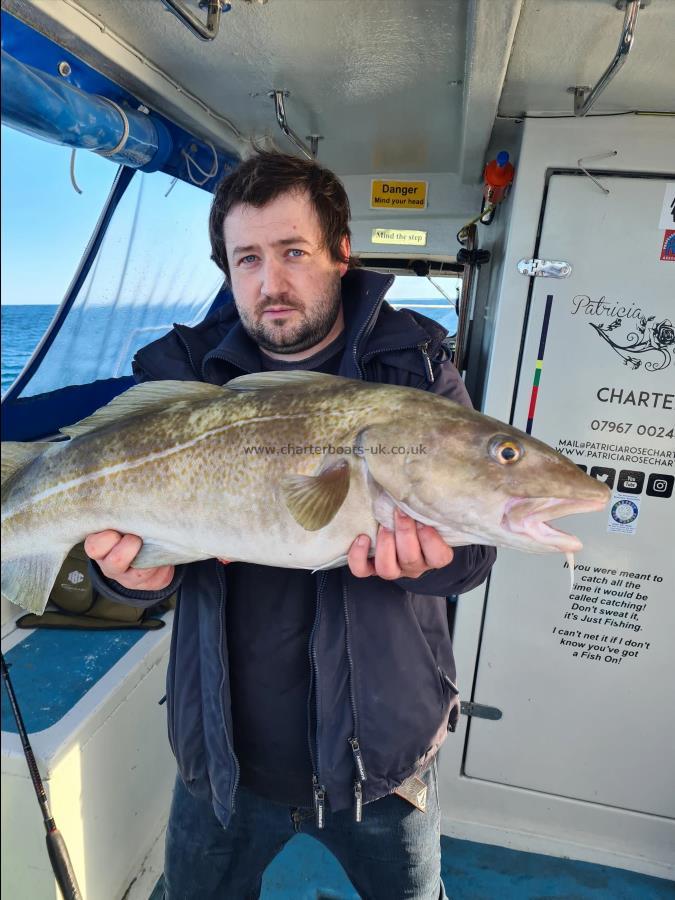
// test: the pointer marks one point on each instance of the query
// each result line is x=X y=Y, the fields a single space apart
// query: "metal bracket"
x=280 y=109
x=595 y=181
x=314 y=143
x=479 y=711
x=582 y=100
x=544 y=268
x=204 y=31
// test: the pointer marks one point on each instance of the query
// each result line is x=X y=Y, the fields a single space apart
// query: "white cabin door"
x=585 y=679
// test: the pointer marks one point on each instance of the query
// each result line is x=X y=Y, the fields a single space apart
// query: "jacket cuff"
x=469 y=568
x=115 y=591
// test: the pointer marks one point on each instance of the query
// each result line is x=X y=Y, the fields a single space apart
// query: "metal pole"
x=465 y=302
x=581 y=106
x=205 y=31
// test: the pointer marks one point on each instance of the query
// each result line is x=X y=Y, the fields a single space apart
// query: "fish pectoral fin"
x=28 y=580
x=154 y=553
x=313 y=500
x=258 y=380
x=16 y=455
x=151 y=396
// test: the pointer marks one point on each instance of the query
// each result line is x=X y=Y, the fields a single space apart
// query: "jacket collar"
x=362 y=298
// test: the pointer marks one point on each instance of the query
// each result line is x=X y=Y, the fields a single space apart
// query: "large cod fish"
x=282 y=469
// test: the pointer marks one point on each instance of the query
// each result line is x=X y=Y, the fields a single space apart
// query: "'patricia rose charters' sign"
x=634 y=336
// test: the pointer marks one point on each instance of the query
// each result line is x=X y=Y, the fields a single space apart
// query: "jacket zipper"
x=235 y=783
x=318 y=790
x=358 y=758
x=189 y=354
x=358 y=801
x=424 y=350
x=366 y=328
x=319 y=802
x=354 y=741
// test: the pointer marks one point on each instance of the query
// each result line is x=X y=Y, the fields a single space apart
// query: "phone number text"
x=657 y=431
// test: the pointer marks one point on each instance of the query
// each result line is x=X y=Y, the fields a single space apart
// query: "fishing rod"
x=56 y=847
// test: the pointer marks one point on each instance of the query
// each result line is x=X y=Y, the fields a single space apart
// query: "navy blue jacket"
x=383 y=667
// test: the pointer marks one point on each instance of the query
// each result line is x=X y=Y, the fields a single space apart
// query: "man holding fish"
x=311 y=678
x=279 y=229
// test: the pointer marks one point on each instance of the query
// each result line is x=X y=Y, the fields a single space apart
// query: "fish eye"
x=505 y=451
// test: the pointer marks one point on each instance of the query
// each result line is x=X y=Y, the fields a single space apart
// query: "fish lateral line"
x=126 y=465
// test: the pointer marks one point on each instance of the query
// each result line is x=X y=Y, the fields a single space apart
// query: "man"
x=302 y=702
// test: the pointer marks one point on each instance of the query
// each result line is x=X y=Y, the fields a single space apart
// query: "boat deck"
x=304 y=870
x=54 y=671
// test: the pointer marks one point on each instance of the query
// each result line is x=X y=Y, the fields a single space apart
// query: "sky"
x=45 y=223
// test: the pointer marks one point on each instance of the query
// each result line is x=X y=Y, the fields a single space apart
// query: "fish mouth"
x=530 y=516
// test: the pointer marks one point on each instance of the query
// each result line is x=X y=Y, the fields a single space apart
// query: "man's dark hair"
x=267 y=175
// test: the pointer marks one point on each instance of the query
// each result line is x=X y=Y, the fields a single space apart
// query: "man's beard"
x=311 y=329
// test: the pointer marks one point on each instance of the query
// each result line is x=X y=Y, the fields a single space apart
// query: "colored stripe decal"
x=539 y=365
x=533 y=403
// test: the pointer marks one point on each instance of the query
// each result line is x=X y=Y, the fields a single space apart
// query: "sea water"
x=22 y=329
x=94 y=342
x=113 y=335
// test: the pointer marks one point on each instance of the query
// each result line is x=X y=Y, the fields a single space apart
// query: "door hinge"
x=479 y=711
x=544 y=268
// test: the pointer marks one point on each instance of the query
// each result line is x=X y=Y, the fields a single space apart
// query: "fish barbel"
x=280 y=469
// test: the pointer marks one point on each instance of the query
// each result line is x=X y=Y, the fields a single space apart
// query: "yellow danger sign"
x=386 y=194
x=396 y=236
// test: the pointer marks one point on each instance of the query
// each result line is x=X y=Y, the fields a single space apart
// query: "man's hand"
x=114 y=554
x=407 y=552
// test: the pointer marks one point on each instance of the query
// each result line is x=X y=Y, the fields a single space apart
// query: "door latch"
x=544 y=268
x=478 y=711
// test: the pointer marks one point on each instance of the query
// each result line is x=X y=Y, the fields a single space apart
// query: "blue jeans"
x=394 y=852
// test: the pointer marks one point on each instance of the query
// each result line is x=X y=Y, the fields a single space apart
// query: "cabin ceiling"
x=562 y=43
x=391 y=85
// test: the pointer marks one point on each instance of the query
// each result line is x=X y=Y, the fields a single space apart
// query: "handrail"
x=205 y=32
x=581 y=105
x=278 y=97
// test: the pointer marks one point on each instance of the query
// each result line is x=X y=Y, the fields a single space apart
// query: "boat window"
x=434 y=296
x=153 y=269
x=46 y=225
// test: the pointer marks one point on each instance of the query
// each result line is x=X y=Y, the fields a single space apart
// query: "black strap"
x=70 y=621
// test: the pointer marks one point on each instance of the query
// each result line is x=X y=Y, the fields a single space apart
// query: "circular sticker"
x=624 y=512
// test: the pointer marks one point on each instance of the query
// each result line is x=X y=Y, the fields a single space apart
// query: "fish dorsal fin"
x=313 y=500
x=16 y=455
x=297 y=377
x=151 y=396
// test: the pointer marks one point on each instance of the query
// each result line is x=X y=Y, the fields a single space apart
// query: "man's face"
x=285 y=283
